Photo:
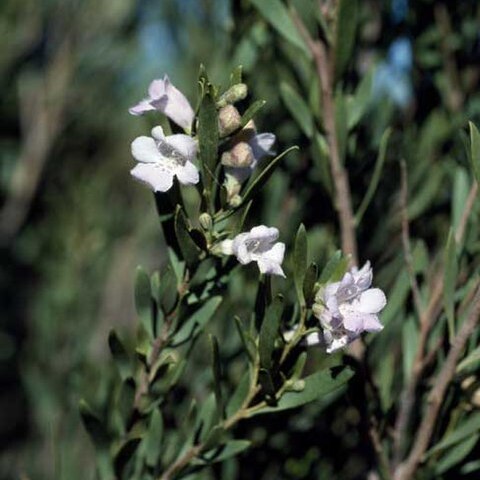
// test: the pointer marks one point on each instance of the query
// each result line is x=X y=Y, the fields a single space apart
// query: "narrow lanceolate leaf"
x=456 y=454
x=360 y=102
x=309 y=283
x=330 y=268
x=315 y=387
x=251 y=111
x=475 y=150
x=93 y=425
x=143 y=299
x=269 y=331
x=153 y=439
x=347 y=19
x=377 y=173
x=189 y=248
x=217 y=376
x=259 y=181
x=450 y=279
x=120 y=355
x=197 y=320
x=208 y=136
x=300 y=258
x=298 y=108
x=228 y=450
x=275 y=13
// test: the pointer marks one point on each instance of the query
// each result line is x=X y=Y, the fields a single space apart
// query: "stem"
x=435 y=398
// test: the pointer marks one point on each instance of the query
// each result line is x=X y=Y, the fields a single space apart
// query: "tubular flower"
x=259 y=245
x=166 y=98
x=348 y=308
x=162 y=157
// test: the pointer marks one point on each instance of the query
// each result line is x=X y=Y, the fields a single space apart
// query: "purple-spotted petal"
x=184 y=144
x=158 y=179
x=188 y=174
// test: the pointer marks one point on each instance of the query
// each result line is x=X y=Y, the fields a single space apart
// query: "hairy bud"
x=233 y=94
x=229 y=120
x=205 y=221
x=239 y=156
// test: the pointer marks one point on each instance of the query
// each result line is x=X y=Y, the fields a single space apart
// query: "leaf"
x=469 y=427
x=300 y=258
x=410 y=342
x=260 y=180
x=124 y=454
x=346 y=26
x=236 y=75
x=459 y=197
x=471 y=358
x=153 y=439
x=361 y=101
x=449 y=283
x=269 y=331
x=189 y=248
x=94 y=426
x=297 y=108
x=316 y=386
x=309 y=283
x=208 y=136
x=475 y=150
x=217 y=376
x=230 y=449
x=341 y=124
x=277 y=15
x=198 y=319
x=456 y=454
x=143 y=299
x=331 y=267
x=120 y=355
x=247 y=342
x=251 y=111
x=377 y=171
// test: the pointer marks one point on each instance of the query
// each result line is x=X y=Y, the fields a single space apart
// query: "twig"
x=406 y=470
x=343 y=200
x=407 y=248
x=427 y=320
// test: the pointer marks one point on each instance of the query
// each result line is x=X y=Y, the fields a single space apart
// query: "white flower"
x=161 y=157
x=259 y=246
x=349 y=307
x=166 y=98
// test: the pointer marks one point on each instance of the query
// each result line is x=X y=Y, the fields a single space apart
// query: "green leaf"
x=94 y=426
x=247 y=341
x=449 y=283
x=198 y=319
x=341 y=124
x=297 y=108
x=300 y=259
x=410 y=342
x=269 y=331
x=217 y=376
x=456 y=454
x=316 y=386
x=230 y=449
x=277 y=15
x=120 y=355
x=459 y=197
x=346 y=26
x=377 y=172
x=334 y=269
x=251 y=111
x=260 y=180
x=359 y=104
x=475 y=150
x=236 y=75
x=125 y=401
x=472 y=358
x=470 y=426
x=189 y=248
x=208 y=136
x=153 y=439
x=309 y=283
x=143 y=299
x=239 y=395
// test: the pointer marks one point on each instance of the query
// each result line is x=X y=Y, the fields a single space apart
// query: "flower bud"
x=229 y=120
x=205 y=221
x=233 y=94
x=239 y=156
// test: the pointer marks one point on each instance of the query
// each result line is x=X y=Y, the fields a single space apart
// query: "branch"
x=437 y=393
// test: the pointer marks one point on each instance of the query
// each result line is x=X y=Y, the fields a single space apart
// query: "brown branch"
x=343 y=200
x=427 y=320
x=435 y=399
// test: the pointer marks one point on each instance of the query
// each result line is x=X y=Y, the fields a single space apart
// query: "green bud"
x=205 y=221
x=233 y=94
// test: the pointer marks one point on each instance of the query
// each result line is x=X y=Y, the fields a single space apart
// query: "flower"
x=162 y=157
x=259 y=246
x=348 y=308
x=163 y=96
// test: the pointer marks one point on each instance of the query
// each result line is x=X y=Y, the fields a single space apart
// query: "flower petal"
x=158 y=133
x=141 y=107
x=188 y=174
x=226 y=247
x=186 y=145
x=266 y=234
x=371 y=323
x=269 y=267
x=354 y=321
x=313 y=339
x=157 y=88
x=372 y=300
x=144 y=149
x=159 y=179
x=262 y=144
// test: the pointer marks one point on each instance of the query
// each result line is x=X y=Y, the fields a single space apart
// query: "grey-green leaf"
x=300 y=259
x=347 y=19
x=450 y=280
x=475 y=150
x=120 y=355
x=143 y=299
x=298 y=108
x=269 y=331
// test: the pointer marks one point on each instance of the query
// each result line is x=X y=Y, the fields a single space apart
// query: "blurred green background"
x=73 y=225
